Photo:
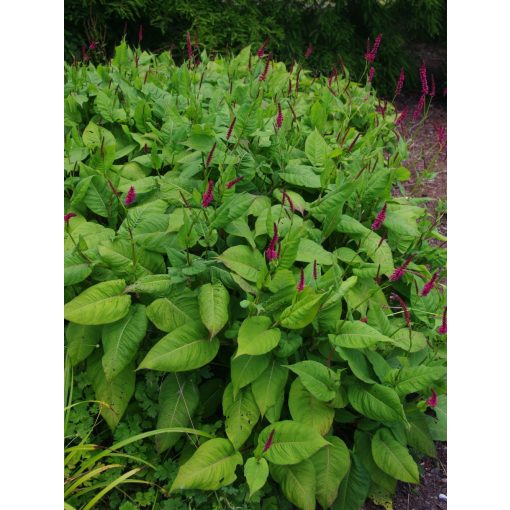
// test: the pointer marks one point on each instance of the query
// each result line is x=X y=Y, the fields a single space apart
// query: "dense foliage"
x=232 y=245
x=335 y=29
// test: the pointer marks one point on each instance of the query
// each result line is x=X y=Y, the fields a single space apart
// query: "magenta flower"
x=285 y=196
x=402 y=117
x=423 y=79
x=130 y=196
x=371 y=74
x=301 y=283
x=432 y=400
x=379 y=220
x=231 y=128
x=68 y=216
x=188 y=44
x=442 y=329
x=315 y=269
x=207 y=197
x=419 y=107
x=269 y=442
x=140 y=34
x=429 y=285
x=371 y=54
x=271 y=253
x=210 y=155
x=441 y=136
x=279 y=117
x=263 y=75
x=407 y=316
x=400 y=83
x=260 y=51
x=92 y=46
x=397 y=274
x=309 y=50
x=234 y=182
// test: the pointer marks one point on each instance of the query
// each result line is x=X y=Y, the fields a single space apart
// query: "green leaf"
x=357 y=363
x=418 y=435
x=178 y=400
x=354 y=487
x=268 y=390
x=316 y=148
x=151 y=284
x=115 y=393
x=256 y=472
x=102 y=303
x=415 y=379
x=213 y=302
x=292 y=442
x=245 y=369
x=401 y=339
x=308 y=251
x=358 y=335
x=185 y=348
x=212 y=466
x=297 y=483
x=316 y=378
x=99 y=198
x=301 y=175
x=121 y=340
x=76 y=268
x=241 y=415
x=437 y=426
x=331 y=464
x=81 y=341
x=170 y=313
x=376 y=402
x=305 y=408
x=393 y=458
x=244 y=261
x=302 y=312
x=256 y=337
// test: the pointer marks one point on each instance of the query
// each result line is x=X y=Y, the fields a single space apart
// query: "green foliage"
x=221 y=337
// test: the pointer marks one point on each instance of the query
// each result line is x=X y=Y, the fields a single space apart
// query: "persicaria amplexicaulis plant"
x=379 y=220
x=430 y=284
x=442 y=328
x=140 y=34
x=405 y=311
x=399 y=271
x=432 y=400
x=233 y=182
x=309 y=50
x=68 y=216
x=210 y=155
x=231 y=128
x=263 y=75
x=419 y=108
x=371 y=54
x=301 y=284
x=207 y=197
x=279 y=117
x=400 y=83
x=271 y=253
x=261 y=50
x=130 y=196
x=371 y=74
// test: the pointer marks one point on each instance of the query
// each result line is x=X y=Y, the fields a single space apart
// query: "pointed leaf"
x=256 y=337
x=81 y=341
x=245 y=369
x=297 y=483
x=358 y=335
x=376 y=402
x=268 y=388
x=213 y=303
x=168 y=314
x=316 y=378
x=255 y=472
x=354 y=487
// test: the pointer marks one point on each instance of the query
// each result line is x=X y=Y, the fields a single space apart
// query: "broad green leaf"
x=178 y=400
x=357 y=335
x=185 y=348
x=318 y=379
x=302 y=312
x=297 y=483
x=256 y=337
x=354 y=487
x=121 y=340
x=170 y=313
x=81 y=341
x=241 y=415
x=376 y=402
x=213 y=300
x=102 y=303
x=243 y=260
x=418 y=435
x=99 y=198
x=331 y=464
x=301 y=175
x=245 y=369
x=268 y=389
x=212 y=466
x=415 y=379
x=305 y=408
x=379 y=364
x=316 y=148
x=256 y=472
x=416 y=343
x=76 y=268
x=437 y=426
x=357 y=363
x=309 y=251
x=151 y=284
x=292 y=442
x=393 y=458
x=115 y=393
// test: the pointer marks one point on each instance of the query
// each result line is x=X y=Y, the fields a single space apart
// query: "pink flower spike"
x=301 y=284
x=397 y=274
x=315 y=269
x=140 y=34
x=208 y=196
x=130 y=196
x=379 y=220
x=210 y=155
x=271 y=253
x=279 y=117
x=68 y=216
x=263 y=75
x=407 y=316
x=371 y=54
x=442 y=329
x=230 y=128
x=269 y=442
x=260 y=51
x=402 y=117
x=309 y=50
x=429 y=285
x=400 y=82
x=441 y=136
x=92 y=46
x=234 y=182
x=371 y=74
x=432 y=400
x=419 y=107
x=423 y=79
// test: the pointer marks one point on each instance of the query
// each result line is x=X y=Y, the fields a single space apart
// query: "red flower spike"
x=92 y=46
x=419 y=107
x=208 y=196
x=269 y=442
x=263 y=75
x=400 y=83
x=279 y=117
x=260 y=51
x=423 y=79
x=188 y=44
x=234 y=182
x=379 y=220
x=140 y=34
x=231 y=128
x=315 y=269
x=442 y=329
x=210 y=155
x=402 y=304
x=429 y=285
x=441 y=136
x=309 y=50
x=271 y=251
x=371 y=74
x=371 y=54
x=130 y=196
x=402 y=117
x=432 y=400
x=301 y=283
x=68 y=216
x=397 y=274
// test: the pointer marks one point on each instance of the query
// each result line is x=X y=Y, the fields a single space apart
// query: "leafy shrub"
x=231 y=246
